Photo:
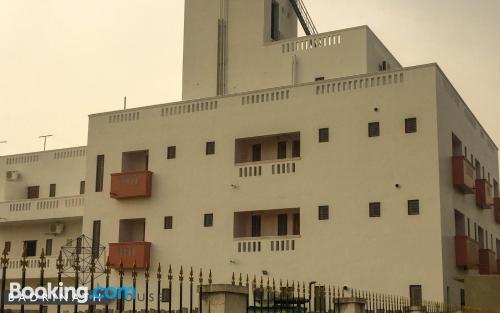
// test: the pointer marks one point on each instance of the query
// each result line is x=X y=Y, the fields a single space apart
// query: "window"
x=30 y=247
x=7 y=246
x=48 y=247
x=324 y=134
x=411 y=125
x=208 y=220
x=210 y=148
x=52 y=190
x=317 y=79
x=168 y=222
x=374 y=129
x=82 y=187
x=296 y=149
x=296 y=223
x=415 y=295
x=374 y=209
x=275 y=20
x=256 y=152
x=282 y=150
x=99 y=177
x=413 y=207
x=165 y=295
x=282 y=224
x=33 y=192
x=320 y=299
x=462 y=297
x=171 y=152
x=256 y=226
x=96 y=238
x=323 y=212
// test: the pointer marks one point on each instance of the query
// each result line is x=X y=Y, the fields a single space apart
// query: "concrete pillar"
x=224 y=299
x=351 y=305
x=417 y=309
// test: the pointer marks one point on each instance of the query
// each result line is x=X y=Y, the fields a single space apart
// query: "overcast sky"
x=61 y=60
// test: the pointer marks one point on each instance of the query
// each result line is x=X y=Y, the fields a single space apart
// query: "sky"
x=61 y=60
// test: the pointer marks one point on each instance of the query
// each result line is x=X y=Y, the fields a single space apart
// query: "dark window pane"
x=7 y=246
x=48 y=247
x=275 y=20
x=296 y=149
x=165 y=295
x=324 y=134
x=30 y=247
x=375 y=209
x=171 y=152
x=168 y=222
x=323 y=212
x=52 y=190
x=415 y=295
x=411 y=125
x=282 y=224
x=256 y=153
x=33 y=192
x=296 y=223
x=82 y=187
x=208 y=220
x=413 y=207
x=96 y=238
x=256 y=225
x=99 y=180
x=282 y=150
x=374 y=129
x=210 y=148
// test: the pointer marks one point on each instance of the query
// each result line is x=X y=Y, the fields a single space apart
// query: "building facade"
x=310 y=158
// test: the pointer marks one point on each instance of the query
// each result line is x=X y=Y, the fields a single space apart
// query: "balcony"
x=484 y=196
x=128 y=253
x=487 y=262
x=496 y=205
x=463 y=174
x=498 y=266
x=466 y=252
x=41 y=209
x=131 y=185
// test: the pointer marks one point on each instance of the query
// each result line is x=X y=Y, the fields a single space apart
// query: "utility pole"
x=45 y=140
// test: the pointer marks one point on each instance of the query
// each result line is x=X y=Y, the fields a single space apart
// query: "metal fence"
x=265 y=294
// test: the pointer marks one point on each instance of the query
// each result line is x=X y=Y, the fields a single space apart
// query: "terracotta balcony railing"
x=128 y=253
x=131 y=185
x=463 y=174
x=487 y=262
x=484 y=195
x=497 y=210
x=466 y=252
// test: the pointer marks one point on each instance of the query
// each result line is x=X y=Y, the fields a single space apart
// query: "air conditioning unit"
x=56 y=228
x=13 y=175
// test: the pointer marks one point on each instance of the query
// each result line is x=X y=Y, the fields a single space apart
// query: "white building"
x=312 y=158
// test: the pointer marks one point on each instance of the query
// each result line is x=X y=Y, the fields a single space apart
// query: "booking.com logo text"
x=61 y=294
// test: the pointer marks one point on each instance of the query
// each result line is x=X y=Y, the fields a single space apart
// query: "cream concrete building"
x=308 y=158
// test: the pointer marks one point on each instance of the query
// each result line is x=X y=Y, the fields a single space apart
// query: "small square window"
x=323 y=212
x=208 y=220
x=210 y=148
x=374 y=209
x=411 y=125
x=374 y=129
x=413 y=207
x=324 y=134
x=168 y=222
x=171 y=152
x=165 y=295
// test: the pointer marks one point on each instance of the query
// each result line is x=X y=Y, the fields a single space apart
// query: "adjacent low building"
x=309 y=158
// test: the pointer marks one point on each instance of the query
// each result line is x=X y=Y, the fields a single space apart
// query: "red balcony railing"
x=131 y=185
x=484 y=195
x=496 y=202
x=128 y=253
x=466 y=252
x=463 y=174
x=487 y=262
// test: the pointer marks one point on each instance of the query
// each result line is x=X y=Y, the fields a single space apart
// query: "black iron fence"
x=165 y=291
